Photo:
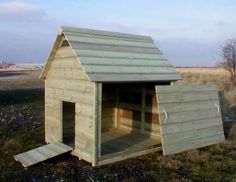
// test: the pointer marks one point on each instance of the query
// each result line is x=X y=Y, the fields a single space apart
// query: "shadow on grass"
x=228 y=124
x=21 y=96
x=11 y=73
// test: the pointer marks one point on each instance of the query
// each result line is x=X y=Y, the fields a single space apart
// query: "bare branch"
x=229 y=58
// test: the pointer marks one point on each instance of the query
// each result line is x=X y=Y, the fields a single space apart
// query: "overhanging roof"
x=118 y=57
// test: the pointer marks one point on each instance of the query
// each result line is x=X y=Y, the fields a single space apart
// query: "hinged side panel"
x=190 y=117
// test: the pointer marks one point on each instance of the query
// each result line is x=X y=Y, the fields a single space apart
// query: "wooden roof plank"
x=162 y=62
x=132 y=77
x=103 y=33
x=102 y=52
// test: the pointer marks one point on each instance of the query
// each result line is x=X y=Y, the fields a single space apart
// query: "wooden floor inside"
x=121 y=140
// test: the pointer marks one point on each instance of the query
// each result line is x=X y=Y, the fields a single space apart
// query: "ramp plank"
x=41 y=154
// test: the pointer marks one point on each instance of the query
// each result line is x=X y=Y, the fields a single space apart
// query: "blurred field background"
x=22 y=128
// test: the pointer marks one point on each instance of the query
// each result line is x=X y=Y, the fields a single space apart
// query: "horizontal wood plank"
x=161 y=62
x=190 y=117
x=127 y=69
x=42 y=153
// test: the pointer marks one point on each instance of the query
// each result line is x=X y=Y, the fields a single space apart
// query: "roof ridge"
x=66 y=29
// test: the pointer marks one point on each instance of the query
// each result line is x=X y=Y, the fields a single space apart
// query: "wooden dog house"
x=109 y=97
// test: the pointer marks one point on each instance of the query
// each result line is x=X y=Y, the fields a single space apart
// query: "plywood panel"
x=185 y=125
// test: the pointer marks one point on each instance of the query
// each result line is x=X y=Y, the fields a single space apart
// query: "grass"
x=22 y=128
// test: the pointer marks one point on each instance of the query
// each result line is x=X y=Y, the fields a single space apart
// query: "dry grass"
x=219 y=77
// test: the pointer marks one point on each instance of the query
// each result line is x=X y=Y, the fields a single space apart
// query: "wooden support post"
x=99 y=118
x=143 y=108
x=97 y=123
x=117 y=110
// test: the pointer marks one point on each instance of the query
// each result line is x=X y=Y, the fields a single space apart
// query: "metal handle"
x=166 y=115
x=218 y=109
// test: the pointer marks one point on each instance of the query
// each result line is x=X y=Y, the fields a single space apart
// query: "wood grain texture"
x=105 y=34
x=121 y=144
x=66 y=81
x=112 y=53
x=192 y=119
x=41 y=154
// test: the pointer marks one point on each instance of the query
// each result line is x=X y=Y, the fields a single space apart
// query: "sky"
x=188 y=32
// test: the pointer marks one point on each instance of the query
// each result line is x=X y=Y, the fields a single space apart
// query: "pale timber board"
x=65 y=52
x=176 y=138
x=128 y=69
x=108 y=41
x=182 y=127
x=186 y=106
x=96 y=77
x=119 y=156
x=83 y=44
x=105 y=34
x=178 y=97
x=202 y=142
x=68 y=62
x=185 y=116
x=116 y=140
x=185 y=88
x=51 y=56
x=74 y=85
x=41 y=154
x=187 y=125
x=71 y=95
x=114 y=48
x=162 y=62
x=113 y=54
x=67 y=81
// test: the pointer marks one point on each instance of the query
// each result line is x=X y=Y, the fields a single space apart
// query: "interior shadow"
x=129 y=135
x=227 y=114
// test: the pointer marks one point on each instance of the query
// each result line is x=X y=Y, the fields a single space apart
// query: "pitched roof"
x=116 y=57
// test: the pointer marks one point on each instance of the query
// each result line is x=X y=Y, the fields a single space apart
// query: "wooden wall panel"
x=66 y=81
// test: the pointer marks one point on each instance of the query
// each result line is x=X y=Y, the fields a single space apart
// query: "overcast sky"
x=189 y=33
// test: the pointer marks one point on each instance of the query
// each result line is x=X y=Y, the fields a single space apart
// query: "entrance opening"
x=130 y=119
x=68 y=120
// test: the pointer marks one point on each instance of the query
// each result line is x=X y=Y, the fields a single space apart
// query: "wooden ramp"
x=43 y=153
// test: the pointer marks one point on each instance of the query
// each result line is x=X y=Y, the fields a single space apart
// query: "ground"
x=22 y=128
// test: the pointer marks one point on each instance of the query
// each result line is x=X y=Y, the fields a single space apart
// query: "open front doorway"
x=68 y=120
